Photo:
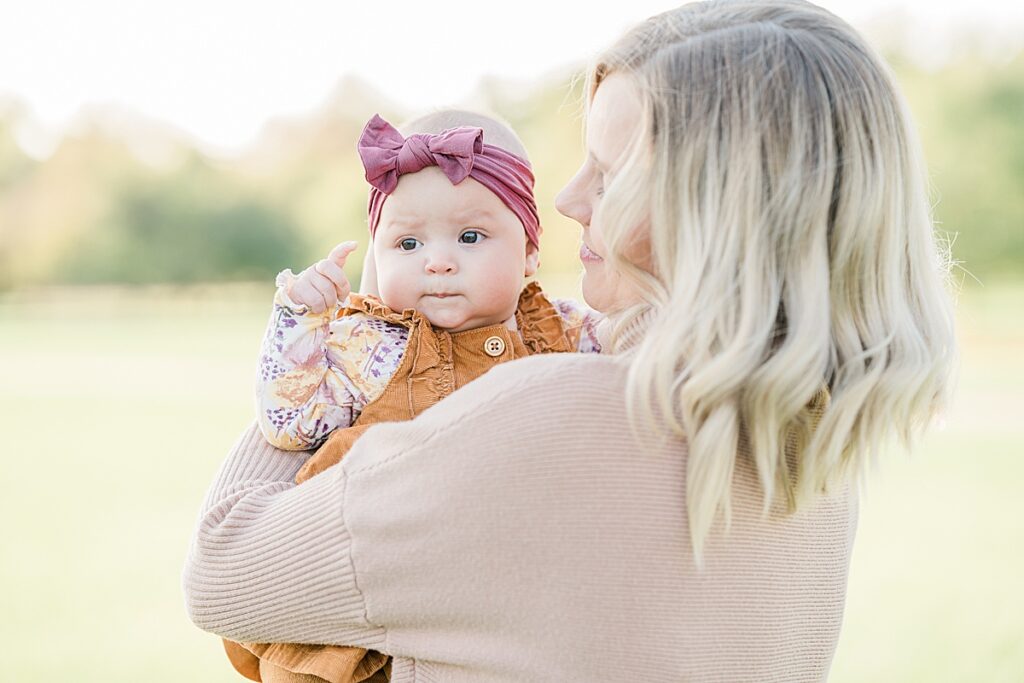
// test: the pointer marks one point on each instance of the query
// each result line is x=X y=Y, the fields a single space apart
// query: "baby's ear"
x=532 y=259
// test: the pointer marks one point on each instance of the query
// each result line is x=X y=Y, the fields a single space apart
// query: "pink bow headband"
x=460 y=153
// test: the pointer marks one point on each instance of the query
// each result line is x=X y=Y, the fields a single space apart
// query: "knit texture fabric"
x=519 y=531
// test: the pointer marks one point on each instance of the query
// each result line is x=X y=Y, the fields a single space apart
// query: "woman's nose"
x=572 y=202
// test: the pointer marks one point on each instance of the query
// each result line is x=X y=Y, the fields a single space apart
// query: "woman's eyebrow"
x=597 y=162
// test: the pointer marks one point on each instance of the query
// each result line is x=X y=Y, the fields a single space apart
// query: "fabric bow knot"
x=386 y=154
x=460 y=153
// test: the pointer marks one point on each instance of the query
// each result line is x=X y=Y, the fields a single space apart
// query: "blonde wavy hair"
x=797 y=295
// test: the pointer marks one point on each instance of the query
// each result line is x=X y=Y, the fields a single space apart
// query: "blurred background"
x=160 y=162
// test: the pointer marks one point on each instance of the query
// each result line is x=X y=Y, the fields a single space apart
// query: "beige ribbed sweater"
x=518 y=532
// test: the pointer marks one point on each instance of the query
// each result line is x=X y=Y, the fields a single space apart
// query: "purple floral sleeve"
x=576 y=314
x=317 y=371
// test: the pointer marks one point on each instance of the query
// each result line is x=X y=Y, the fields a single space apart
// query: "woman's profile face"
x=611 y=123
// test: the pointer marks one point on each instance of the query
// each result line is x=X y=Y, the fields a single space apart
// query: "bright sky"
x=219 y=69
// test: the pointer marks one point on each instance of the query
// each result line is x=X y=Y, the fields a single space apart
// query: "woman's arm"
x=409 y=532
x=269 y=561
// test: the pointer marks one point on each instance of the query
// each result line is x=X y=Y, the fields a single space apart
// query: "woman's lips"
x=588 y=256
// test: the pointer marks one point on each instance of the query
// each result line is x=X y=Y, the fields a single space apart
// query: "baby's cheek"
x=502 y=290
x=395 y=291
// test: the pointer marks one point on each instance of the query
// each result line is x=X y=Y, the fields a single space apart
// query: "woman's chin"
x=595 y=293
x=607 y=294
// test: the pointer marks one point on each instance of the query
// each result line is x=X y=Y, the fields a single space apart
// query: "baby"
x=455 y=230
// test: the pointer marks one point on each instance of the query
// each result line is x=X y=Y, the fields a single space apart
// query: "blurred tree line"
x=99 y=210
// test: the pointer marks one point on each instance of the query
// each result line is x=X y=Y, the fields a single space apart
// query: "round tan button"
x=494 y=346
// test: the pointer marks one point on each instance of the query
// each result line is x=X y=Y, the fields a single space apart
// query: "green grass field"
x=118 y=406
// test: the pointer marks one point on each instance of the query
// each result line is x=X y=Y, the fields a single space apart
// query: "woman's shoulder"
x=549 y=403
x=540 y=388
x=569 y=371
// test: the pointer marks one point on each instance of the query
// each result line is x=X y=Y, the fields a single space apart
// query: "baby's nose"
x=440 y=264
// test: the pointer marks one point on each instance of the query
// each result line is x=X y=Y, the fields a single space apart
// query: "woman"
x=681 y=507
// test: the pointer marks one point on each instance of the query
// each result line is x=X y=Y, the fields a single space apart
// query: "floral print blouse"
x=318 y=371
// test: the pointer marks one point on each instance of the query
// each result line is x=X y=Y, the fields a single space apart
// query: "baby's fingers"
x=333 y=272
x=326 y=288
x=341 y=252
x=303 y=292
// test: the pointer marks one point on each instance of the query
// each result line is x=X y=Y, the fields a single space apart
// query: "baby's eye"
x=408 y=244
x=470 y=237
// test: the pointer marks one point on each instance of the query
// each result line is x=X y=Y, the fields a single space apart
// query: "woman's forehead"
x=612 y=120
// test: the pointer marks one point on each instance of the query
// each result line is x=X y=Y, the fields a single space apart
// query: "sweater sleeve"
x=270 y=560
x=376 y=546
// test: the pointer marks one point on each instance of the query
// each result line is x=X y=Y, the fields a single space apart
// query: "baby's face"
x=455 y=253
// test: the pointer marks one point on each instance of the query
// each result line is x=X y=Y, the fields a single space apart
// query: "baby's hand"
x=323 y=284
